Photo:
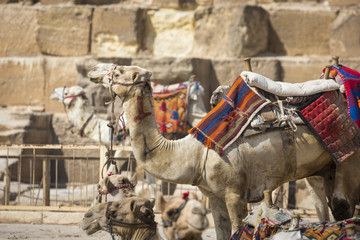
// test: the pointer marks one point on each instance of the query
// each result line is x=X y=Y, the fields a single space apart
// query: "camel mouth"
x=199 y=229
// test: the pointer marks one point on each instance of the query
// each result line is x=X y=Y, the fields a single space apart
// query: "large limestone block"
x=64 y=30
x=169 y=32
x=345 y=33
x=22 y=81
x=301 y=69
x=54 y=2
x=230 y=31
x=298 y=30
x=117 y=31
x=342 y=3
x=97 y=2
x=228 y=70
x=18 y=31
x=60 y=72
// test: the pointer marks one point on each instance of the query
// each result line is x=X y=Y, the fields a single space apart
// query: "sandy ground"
x=59 y=232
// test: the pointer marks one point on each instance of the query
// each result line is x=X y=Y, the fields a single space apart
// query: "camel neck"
x=82 y=116
x=169 y=160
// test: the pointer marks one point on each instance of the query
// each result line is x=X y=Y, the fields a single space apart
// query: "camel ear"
x=193 y=196
x=133 y=206
x=160 y=202
x=152 y=202
x=134 y=179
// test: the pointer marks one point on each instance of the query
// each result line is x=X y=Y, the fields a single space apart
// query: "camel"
x=315 y=184
x=184 y=218
x=230 y=181
x=81 y=115
x=115 y=187
x=131 y=218
x=189 y=225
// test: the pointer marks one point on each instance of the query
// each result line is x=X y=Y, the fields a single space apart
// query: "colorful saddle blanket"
x=351 y=80
x=310 y=231
x=326 y=116
x=225 y=123
x=170 y=110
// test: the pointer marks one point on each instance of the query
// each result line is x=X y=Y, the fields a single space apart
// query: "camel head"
x=125 y=216
x=67 y=95
x=182 y=218
x=118 y=76
x=218 y=94
x=115 y=187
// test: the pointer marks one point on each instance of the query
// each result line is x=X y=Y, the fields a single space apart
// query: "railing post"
x=46 y=182
x=103 y=159
x=6 y=185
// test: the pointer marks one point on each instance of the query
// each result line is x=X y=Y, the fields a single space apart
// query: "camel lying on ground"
x=189 y=224
x=184 y=218
x=115 y=187
x=131 y=218
x=245 y=169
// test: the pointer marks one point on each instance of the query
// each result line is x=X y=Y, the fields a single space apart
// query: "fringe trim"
x=208 y=142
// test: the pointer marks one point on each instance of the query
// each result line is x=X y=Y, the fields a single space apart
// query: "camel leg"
x=220 y=215
x=237 y=209
x=347 y=187
x=315 y=185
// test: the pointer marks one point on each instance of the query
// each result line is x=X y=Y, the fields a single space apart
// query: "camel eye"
x=171 y=213
x=122 y=71
x=135 y=76
x=117 y=75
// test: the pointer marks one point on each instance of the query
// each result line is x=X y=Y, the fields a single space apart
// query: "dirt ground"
x=64 y=232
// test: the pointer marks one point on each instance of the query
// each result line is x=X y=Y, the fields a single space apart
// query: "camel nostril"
x=197 y=210
x=88 y=214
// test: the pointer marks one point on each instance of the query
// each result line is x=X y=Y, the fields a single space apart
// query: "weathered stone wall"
x=46 y=44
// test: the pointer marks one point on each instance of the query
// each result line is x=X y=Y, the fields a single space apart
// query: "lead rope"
x=110 y=154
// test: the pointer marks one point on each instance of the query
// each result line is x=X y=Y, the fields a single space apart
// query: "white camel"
x=81 y=115
x=247 y=168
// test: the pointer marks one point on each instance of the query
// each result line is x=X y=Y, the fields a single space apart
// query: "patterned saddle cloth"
x=226 y=122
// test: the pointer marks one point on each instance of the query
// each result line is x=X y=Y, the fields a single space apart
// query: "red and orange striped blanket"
x=227 y=121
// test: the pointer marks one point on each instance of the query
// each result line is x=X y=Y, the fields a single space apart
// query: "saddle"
x=285 y=98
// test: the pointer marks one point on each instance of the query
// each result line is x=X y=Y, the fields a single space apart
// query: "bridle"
x=110 y=222
x=73 y=97
x=120 y=186
x=172 y=222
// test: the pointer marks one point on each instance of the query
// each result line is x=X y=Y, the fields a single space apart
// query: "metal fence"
x=59 y=176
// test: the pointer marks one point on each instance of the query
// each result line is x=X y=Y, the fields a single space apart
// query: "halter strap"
x=81 y=131
x=73 y=97
x=110 y=221
x=167 y=223
x=120 y=186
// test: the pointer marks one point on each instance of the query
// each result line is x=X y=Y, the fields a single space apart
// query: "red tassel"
x=185 y=195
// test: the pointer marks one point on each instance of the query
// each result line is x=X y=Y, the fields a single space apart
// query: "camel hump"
x=284 y=89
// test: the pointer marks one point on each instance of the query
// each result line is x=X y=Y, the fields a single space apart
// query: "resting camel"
x=131 y=218
x=189 y=224
x=240 y=176
x=184 y=218
x=115 y=187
